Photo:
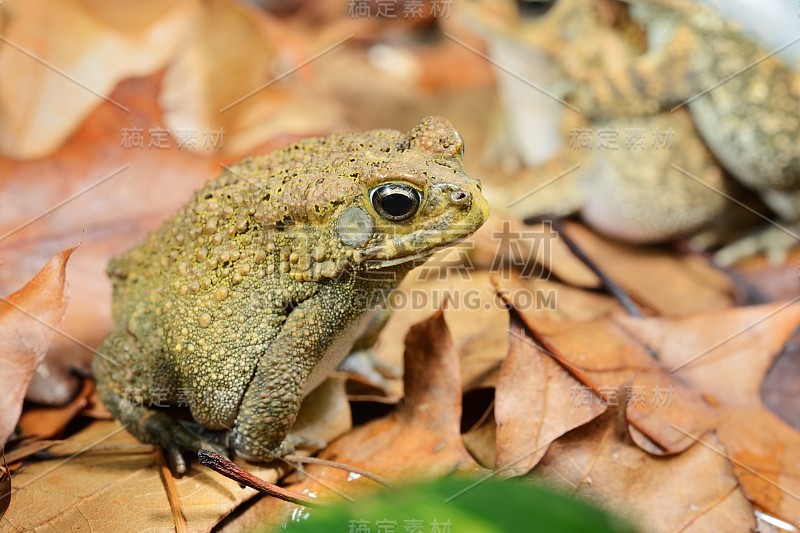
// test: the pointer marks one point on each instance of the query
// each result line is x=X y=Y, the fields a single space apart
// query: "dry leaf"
x=504 y=241
x=726 y=356
x=27 y=321
x=693 y=491
x=668 y=283
x=5 y=489
x=481 y=441
x=780 y=390
x=66 y=59
x=534 y=404
x=553 y=300
x=232 y=76
x=47 y=422
x=325 y=413
x=477 y=320
x=95 y=491
x=603 y=357
x=421 y=439
x=774 y=282
x=115 y=487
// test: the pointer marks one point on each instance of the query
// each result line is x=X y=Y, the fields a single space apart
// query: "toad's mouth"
x=376 y=264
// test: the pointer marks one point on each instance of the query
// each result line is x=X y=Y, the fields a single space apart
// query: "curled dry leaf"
x=726 y=356
x=66 y=58
x=692 y=491
x=602 y=356
x=234 y=83
x=551 y=299
x=89 y=491
x=5 y=488
x=27 y=321
x=675 y=284
x=115 y=197
x=122 y=484
x=325 y=413
x=420 y=440
x=504 y=241
x=534 y=404
x=47 y=422
x=477 y=320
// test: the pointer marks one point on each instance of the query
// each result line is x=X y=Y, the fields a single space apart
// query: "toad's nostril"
x=459 y=197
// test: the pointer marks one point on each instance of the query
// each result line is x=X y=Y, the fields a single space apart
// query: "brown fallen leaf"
x=95 y=481
x=476 y=319
x=534 y=404
x=504 y=241
x=231 y=82
x=93 y=491
x=325 y=413
x=693 y=491
x=774 y=282
x=420 y=440
x=47 y=422
x=481 y=441
x=726 y=356
x=551 y=299
x=780 y=390
x=27 y=321
x=66 y=59
x=5 y=487
x=674 y=283
x=602 y=356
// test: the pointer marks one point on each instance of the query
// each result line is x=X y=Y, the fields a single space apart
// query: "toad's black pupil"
x=534 y=8
x=397 y=205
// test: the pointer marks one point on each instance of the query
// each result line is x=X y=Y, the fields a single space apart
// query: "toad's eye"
x=534 y=8
x=395 y=201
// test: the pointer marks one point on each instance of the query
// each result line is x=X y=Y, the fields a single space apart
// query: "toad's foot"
x=774 y=241
x=366 y=365
x=179 y=436
x=289 y=445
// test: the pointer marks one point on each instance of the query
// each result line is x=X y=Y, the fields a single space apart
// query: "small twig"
x=230 y=470
x=172 y=495
x=66 y=448
x=610 y=285
x=341 y=466
x=29 y=448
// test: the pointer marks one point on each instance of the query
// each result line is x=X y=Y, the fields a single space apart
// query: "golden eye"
x=395 y=201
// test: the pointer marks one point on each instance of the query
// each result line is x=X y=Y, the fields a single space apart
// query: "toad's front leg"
x=316 y=336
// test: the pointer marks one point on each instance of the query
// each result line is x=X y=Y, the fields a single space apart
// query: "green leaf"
x=455 y=505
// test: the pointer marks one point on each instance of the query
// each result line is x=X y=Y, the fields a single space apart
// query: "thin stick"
x=341 y=466
x=230 y=470
x=172 y=495
x=28 y=449
x=610 y=285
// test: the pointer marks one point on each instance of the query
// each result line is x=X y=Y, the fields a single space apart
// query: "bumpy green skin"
x=743 y=102
x=247 y=297
x=657 y=63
